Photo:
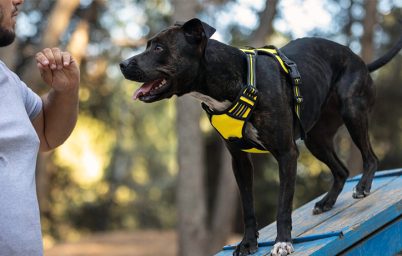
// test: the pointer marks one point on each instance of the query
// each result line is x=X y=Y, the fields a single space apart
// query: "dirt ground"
x=141 y=243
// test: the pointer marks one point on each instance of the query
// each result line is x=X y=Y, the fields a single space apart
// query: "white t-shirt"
x=20 y=230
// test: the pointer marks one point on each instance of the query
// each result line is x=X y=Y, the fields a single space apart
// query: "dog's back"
x=325 y=67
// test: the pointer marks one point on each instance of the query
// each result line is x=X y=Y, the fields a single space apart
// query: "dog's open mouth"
x=151 y=91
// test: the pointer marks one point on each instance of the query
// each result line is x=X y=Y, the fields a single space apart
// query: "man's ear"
x=196 y=31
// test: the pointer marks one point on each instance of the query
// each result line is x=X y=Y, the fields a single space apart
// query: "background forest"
x=135 y=166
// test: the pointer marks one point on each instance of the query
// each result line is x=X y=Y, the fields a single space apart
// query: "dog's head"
x=170 y=63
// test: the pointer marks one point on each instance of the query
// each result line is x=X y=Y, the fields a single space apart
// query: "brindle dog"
x=337 y=89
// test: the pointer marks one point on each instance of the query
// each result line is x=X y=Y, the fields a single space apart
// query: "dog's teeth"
x=162 y=83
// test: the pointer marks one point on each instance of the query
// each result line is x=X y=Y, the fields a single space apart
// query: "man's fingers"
x=41 y=59
x=66 y=58
x=44 y=70
x=54 y=58
x=48 y=53
x=57 y=57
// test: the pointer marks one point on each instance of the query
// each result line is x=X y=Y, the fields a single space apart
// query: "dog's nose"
x=128 y=63
x=123 y=65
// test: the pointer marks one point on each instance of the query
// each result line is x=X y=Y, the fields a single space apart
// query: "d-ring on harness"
x=231 y=123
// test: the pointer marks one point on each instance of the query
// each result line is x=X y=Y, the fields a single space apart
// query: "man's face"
x=8 y=17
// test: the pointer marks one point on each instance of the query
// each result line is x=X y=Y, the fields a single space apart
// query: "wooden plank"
x=387 y=241
x=347 y=210
x=380 y=174
x=365 y=217
x=303 y=220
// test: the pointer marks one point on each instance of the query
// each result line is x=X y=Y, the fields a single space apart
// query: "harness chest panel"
x=231 y=123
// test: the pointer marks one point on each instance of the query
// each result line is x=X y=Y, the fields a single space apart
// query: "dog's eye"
x=158 y=48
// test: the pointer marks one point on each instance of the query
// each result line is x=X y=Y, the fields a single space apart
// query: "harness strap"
x=245 y=103
x=289 y=67
x=250 y=66
x=231 y=124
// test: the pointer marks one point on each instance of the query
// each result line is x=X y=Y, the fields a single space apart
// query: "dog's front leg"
x=287 y=161
x=243 y=171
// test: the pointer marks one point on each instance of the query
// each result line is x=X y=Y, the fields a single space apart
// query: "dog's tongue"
x=145 y=89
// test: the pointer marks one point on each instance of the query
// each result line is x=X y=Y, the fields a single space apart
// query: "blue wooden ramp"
x=368 y=226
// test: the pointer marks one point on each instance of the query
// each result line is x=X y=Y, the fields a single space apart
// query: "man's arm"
x=58 y=117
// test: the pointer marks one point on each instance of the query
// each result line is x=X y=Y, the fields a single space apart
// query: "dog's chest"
x=250 y=131
x=211 y=102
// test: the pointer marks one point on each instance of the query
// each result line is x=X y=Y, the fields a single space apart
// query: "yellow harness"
x=231 y=123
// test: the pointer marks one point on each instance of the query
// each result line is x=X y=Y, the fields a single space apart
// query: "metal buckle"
x=299 y=99
x=293 y=72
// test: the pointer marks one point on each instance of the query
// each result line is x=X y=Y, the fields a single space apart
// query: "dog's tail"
x=386 y=58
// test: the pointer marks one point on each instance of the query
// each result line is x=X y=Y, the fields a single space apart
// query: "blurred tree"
x=264 y=31
x=354 y=161
x=191 y=204
x=386 y=121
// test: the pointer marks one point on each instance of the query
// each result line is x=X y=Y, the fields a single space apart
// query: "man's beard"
x=6 y=37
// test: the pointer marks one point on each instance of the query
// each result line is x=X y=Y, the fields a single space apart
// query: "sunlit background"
x=118 y=172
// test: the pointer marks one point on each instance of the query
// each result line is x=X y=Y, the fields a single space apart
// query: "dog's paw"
x=282 y=249
x=323 y=205
x=318 y=209
x=359 y=194
x=245 y=248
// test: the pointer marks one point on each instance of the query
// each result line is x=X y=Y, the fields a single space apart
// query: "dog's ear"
x=196 y=31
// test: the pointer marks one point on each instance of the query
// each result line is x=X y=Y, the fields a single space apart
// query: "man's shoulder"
x=4 y=66
x=7 y=75
x=6 y=71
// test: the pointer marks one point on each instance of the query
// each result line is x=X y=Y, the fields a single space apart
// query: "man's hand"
x=58 y=69
x=60 y=105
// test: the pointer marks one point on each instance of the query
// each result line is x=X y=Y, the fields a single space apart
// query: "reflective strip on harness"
x=275 y=54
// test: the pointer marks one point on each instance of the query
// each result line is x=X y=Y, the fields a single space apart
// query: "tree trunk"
x=225 y=204
x=191 y=188
x=191 y=194
x=261 y=35
x=79 y=41
x=369 y=21
x=354 y=161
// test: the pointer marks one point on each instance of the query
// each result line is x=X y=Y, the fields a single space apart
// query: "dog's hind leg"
x=243 y=171
x=356 y=101
x=358 y=129
x=320 y=142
